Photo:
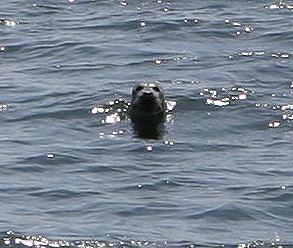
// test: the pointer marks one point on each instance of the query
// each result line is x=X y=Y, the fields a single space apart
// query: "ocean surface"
x=74 y=175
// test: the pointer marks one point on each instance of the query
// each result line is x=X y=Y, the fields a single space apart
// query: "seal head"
x=148 y=110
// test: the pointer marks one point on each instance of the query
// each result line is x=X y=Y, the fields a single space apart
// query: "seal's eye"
x=138 y=88
x=156 y=89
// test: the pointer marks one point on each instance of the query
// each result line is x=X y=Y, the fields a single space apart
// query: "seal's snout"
x=147 y=93
x=148 y=96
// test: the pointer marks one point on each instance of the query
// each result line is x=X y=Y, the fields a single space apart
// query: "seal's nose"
x=147 y=93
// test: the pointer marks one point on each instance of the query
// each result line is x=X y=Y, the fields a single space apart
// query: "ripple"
x=284 y=112
x=3 y=106
x=17 y=240
x=118 y=110
x=180 y=60
x=261 y=54
x=47 y=159
x=224 y=213
x=263 y=244
x=114 y=112
x=62 y=194
x=9 y=23
x=152 y=209
x=225 y=96
x=143 y=23
x=48 y=8
x=240 y=26
x=274 y=124
x=11 y=239
x=279 y=6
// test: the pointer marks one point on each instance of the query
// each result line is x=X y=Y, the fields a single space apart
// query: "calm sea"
x=221 y=176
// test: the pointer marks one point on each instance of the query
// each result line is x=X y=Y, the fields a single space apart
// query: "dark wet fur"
x=148 y=110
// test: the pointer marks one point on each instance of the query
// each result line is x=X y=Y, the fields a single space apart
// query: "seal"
x=148 y=110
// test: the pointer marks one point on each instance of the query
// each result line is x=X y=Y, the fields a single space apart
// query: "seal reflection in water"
x=148 y=110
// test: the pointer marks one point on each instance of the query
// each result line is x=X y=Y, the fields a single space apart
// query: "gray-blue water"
x=222 y=175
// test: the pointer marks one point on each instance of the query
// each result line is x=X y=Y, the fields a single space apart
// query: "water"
x=222 y=173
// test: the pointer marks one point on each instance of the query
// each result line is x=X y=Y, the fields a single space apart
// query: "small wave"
x=240 y=26
x=281 y=5
x=50 y=158
x=118 y=110
x=16 y=240
x=9 y=23
x=40 y=163
x=283 y=111
x=60 y=114
x=115 y=111
x=61 y=194
x=11 y=239
x=3 y=107
x=261 y=55
x=225 y=96
x=224 y=214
